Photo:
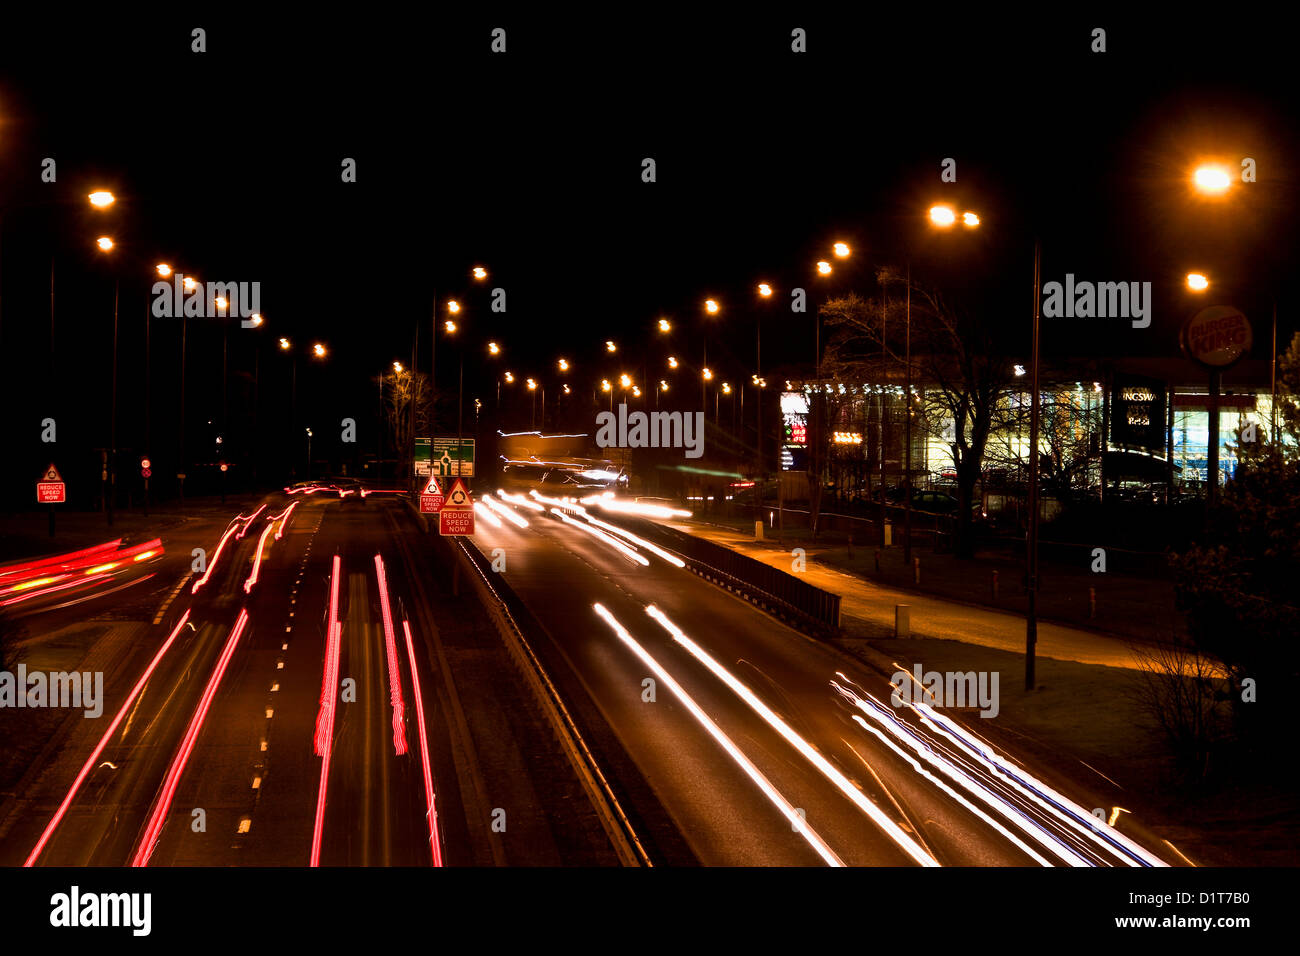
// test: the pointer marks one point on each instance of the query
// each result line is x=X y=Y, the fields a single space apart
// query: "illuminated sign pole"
x=1215 y=338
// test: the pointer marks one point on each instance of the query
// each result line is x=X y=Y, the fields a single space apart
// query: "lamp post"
x=1031 y=556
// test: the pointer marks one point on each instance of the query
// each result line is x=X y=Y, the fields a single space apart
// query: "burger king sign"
x=1216 y=337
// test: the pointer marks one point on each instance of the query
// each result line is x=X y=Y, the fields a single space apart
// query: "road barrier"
x=470 y=564
x=776 y=591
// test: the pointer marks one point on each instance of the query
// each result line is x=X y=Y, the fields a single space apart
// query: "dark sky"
x=529 y=163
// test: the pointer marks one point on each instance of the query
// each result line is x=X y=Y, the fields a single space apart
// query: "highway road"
x=321 y=693
x=764 y=746
x=210 y=749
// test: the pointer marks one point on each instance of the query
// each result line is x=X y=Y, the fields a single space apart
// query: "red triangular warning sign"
x=51 y=474
x=432 y=487
x=458 y=497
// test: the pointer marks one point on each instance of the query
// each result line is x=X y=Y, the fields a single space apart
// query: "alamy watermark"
x=192 y=299
x=947 y=689
x=130 y=910
x=67 y=689
x=651 y=430
x=1098 y=300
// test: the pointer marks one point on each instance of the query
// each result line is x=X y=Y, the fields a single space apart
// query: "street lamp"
x=841 y=250
x=665 y=325
x=1211 y=179
x=1197 y=282
x=106 y=245
x=102 y=199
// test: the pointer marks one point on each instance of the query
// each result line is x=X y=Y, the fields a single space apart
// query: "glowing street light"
x=726 y=388
x=841 y=250
x=711 y=306
x=604 y=385
x=563 y=364
x=256 y=319
x=665 y=325
x=164 y=269
x=319 y=350
x=636 y=391
x=672 y=362
x=453 y=306
x=610 y=346
x=1197 y=282
x=397 y=367
x=494 y=349
x=970 y=219
x=285 y=345
x=191 y=283
x=532 y=385
x=220 y=302
x=105 y=244
x=510 y=377
x=450 y=326
x=942 y=216
x=764 y=289
x=566 y=389
x=1211 y=179
x=708 y=374
x=102 y=199
x=480 y=272
x=625 y=380
x=823 y=268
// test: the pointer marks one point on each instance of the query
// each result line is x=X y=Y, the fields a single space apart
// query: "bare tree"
x=400 y=391
x=1069 y=426
x=954 y=356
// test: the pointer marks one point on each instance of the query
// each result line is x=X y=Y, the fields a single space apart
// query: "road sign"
x=423 y=466
x=51 y=492
x=453 y=456
x=51 y=474
x=456 y=521
x=431 y=498
x=457 y=513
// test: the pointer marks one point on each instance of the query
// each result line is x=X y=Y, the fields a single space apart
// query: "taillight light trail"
x=213 y=563
x=284 y=522
x=257 y=556
x=325 y=717
x=435 y=847
x=103 y=742
x=390 y=647
x=164 y=802
x=248 y=522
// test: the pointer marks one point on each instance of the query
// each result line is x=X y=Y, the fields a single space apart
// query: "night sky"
x=227 y=164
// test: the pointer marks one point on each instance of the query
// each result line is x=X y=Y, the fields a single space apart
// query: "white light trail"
x=859 y=799
x=787 y=810
x=596 y=533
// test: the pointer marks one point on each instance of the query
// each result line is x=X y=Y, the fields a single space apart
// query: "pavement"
x=867 y=607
